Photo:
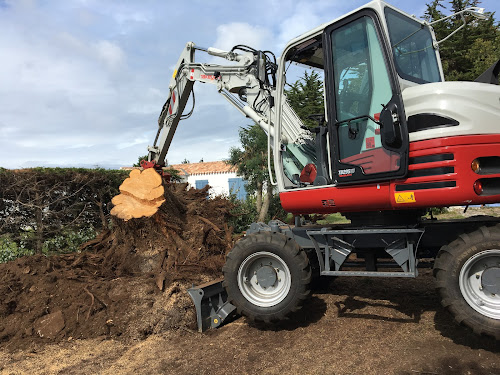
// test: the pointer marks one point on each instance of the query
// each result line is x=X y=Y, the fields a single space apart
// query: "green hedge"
x=53 y=210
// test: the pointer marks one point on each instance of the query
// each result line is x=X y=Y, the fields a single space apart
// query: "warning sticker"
x=370 y=142
x=407 y=197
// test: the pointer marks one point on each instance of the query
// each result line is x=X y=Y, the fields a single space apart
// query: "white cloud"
x=231 y=34
x=70 y=43
x=136 y=141
x=148 y=102
x=132 y=16
x=307 y=15
x=110 y=53
x=303 y=19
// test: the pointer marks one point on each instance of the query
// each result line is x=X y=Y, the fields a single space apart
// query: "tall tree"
x=472 y=49
x=251 y=161
x=306 y=97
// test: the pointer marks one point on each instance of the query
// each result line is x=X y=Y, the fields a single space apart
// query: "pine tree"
x=251 y=161
x=471 y=50
x=306 y=97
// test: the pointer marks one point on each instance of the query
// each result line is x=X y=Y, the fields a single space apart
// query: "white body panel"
x=476 y=106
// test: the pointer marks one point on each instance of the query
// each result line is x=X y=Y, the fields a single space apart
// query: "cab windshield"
x=412 y=47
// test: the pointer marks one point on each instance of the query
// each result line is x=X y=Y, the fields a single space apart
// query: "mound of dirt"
x=128 y=283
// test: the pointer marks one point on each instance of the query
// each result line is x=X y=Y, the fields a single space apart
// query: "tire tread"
x=446 y=263
x=298 y=258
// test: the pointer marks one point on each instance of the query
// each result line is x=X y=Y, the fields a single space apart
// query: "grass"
x=333 y=219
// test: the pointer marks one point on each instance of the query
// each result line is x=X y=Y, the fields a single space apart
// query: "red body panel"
x=382 y=196
x=386 y=160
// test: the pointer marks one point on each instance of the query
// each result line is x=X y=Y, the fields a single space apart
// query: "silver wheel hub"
x=267 y=276
x=490 y=280
x=479 y=281
x=264 y=279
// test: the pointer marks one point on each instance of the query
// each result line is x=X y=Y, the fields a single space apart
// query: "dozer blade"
x=212 y=307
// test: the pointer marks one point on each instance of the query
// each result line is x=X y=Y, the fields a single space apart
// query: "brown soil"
x=354 y=326
x=127 y=282
x=121 y=307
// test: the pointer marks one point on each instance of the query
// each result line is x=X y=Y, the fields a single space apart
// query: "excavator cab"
x=365 y=138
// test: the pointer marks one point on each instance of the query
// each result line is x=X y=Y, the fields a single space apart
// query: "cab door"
x=367 y=122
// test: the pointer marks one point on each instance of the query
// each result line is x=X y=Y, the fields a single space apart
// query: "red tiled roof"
x=204 y=168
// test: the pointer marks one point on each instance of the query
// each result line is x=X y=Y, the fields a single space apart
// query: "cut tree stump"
x=140 y=195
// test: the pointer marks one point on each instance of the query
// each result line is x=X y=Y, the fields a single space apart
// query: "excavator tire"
x=140 y=195
x=267 y=276
x=468 y=279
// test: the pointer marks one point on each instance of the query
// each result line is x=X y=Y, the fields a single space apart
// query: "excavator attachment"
x=212 y=306
x=140 y=195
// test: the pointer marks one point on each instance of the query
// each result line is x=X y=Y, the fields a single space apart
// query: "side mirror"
x=390 y=126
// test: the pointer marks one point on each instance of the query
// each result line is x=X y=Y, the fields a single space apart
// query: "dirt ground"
x=354 y=325
x=121 y=307
x=125 y=284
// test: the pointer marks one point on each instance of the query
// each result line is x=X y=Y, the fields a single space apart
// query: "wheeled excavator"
x=395 y=139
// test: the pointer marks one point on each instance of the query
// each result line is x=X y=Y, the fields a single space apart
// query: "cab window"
x=412 y=47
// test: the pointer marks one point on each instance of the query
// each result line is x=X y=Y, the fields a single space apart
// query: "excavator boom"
x=248 y=84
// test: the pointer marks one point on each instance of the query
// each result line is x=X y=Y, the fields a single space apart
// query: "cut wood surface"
x=140 y=195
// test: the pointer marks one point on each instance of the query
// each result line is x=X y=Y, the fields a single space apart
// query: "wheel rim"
x=476 y=286
x=264 y=279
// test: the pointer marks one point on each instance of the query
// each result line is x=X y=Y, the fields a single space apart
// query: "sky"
x=82 y=82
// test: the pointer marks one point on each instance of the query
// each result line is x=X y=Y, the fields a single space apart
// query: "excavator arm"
x=246 y=80
x=248 y=84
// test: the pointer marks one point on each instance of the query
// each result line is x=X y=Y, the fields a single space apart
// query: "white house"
x=221 y=177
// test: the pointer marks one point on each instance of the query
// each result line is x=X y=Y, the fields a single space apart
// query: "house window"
x=237 y=187
x=200 y=184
